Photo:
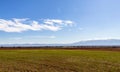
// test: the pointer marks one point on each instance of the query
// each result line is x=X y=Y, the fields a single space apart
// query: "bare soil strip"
x=101 y=48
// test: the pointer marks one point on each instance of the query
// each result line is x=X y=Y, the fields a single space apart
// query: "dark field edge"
x=102 y=48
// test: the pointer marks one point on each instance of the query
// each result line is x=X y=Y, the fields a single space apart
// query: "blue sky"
x=58 y=21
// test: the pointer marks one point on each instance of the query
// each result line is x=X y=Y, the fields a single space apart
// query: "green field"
x=59 y=61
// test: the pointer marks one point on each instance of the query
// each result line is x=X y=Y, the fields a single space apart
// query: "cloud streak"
x=20 y=25
x=48 y=37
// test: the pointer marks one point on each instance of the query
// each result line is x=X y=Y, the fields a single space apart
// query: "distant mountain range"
x=109 y=42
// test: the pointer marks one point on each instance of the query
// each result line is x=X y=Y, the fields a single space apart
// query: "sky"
x=58 y=21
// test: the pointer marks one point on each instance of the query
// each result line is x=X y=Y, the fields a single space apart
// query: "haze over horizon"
x=58 y=21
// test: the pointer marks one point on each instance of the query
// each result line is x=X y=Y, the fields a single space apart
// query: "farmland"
x=59 y=60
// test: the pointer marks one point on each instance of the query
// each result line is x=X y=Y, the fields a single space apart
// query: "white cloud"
x=53 y=21
x=16 y=38
x=100 y=38
x=20 y=25
x=52 y=37
x=58 y=21
x=46 y=37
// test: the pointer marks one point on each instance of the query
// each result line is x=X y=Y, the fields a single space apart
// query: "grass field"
x=59 y=61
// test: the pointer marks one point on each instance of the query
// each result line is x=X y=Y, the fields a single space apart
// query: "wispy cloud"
x=33 y=37
x=58 y=21
x=101 y=38
x=80 y=28
x=15 y=38
x=20 y=25
x=46 y=37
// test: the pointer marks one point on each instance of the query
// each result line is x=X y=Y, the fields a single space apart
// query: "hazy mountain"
x=32 y=45
x=109 y=42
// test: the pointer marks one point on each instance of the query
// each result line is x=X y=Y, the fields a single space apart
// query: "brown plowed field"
x=66 y=48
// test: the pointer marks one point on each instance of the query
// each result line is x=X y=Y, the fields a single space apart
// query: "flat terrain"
x=59 y=60
x=93 y=48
